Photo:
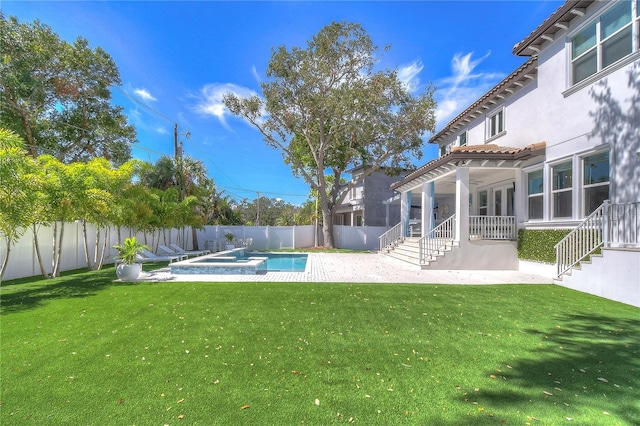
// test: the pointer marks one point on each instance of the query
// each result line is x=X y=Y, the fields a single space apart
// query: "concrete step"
x=578 y=267
x=409 y=251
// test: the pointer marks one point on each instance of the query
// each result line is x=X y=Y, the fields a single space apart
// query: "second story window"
x=446 y=149
x=602 y=42
x=462 y=138
x=495 y=124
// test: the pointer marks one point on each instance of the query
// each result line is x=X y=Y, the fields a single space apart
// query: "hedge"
x=537 y=244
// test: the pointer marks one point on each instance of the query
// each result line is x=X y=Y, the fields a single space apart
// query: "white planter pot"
x=128 y=272
x=230 y=247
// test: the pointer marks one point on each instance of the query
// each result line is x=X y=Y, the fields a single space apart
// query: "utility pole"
x=258 y=217
x=177 y=146
x=177 y=154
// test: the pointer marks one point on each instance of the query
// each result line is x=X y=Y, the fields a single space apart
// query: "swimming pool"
x=283 y=262
x=239 y=261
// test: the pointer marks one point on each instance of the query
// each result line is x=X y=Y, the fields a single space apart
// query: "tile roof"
x=476 y=152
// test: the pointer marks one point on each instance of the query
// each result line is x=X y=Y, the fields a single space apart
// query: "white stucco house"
x=555 y=145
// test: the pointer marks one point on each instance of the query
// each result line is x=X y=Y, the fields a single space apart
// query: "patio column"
x=428 y=190
x=405 y=208
x=462 y=204
x=519 y=198
x=386 y=217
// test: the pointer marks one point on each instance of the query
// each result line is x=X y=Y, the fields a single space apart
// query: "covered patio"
x=470 y=201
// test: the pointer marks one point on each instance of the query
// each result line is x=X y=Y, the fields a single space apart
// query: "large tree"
x=57 y=95
x=327 y=110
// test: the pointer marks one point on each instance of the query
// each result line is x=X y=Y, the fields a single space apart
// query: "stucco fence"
x=24 y=263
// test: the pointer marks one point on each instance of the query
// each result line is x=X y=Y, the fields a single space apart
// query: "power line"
x=139 y=102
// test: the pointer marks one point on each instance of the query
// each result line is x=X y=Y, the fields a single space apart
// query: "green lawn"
x=83 y=349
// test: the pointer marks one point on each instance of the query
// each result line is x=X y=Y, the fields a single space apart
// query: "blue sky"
x=177 y=59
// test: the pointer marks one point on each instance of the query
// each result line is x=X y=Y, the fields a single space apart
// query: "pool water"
x=283 y=262
x=276 y=262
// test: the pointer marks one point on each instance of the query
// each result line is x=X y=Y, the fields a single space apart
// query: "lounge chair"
x=147 y=256
x=180 y=250
x=166 y=251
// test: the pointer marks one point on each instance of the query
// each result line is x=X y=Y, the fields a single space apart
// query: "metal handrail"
x=393 y=236
x=585 y=239
x=436 y=239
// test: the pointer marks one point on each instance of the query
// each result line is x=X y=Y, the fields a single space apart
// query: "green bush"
x=537 y=244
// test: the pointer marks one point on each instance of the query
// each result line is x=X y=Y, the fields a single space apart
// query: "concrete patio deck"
x=362 y=268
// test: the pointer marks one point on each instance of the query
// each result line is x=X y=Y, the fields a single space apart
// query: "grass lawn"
x=83 y=349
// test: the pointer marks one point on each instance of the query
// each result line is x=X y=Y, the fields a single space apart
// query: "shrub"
x=537 y=244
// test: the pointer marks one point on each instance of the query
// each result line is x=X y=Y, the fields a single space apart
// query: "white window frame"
x=569 y=189
x=486 y=206
x=634 y=27
x=446 y=149
x=500 y=130
x=540 y=194
x=585 y=187
x=464 y=135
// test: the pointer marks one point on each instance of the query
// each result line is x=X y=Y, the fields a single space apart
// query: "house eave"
x=514 y=82
x=546 y=32
x=470 y=156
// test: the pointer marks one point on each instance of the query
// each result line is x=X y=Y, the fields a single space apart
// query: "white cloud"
x=408 y=74
x=162 y=130
x=463 y=87
x=211 y=99
x=254 y=71
x=144 y=94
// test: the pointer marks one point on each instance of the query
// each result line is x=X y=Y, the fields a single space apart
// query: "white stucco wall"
x=615 y=276
x=568 y=118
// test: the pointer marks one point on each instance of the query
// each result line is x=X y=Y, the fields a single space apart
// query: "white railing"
x=622 y=225
x=581 y=242
x=437 y=239
x=492 y=227
x=393 y=236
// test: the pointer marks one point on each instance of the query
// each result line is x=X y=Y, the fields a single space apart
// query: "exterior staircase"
x=419 y=251
x=409 y=251
x=601 y=256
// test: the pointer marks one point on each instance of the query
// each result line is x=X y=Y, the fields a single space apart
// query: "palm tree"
x=189 y=177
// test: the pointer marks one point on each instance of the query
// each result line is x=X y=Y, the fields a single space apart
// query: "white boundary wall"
x=24 y=263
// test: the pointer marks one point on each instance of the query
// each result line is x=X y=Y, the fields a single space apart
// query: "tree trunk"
x=95 y=250
x=194 y=236
x=54 y=255
x=5 y=261
x=85 y=238
x=36 y=245
x=57 y=249
x=327 y=229
x=107 y=235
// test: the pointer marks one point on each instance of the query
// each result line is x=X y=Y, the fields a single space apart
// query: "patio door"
x=504 y=201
